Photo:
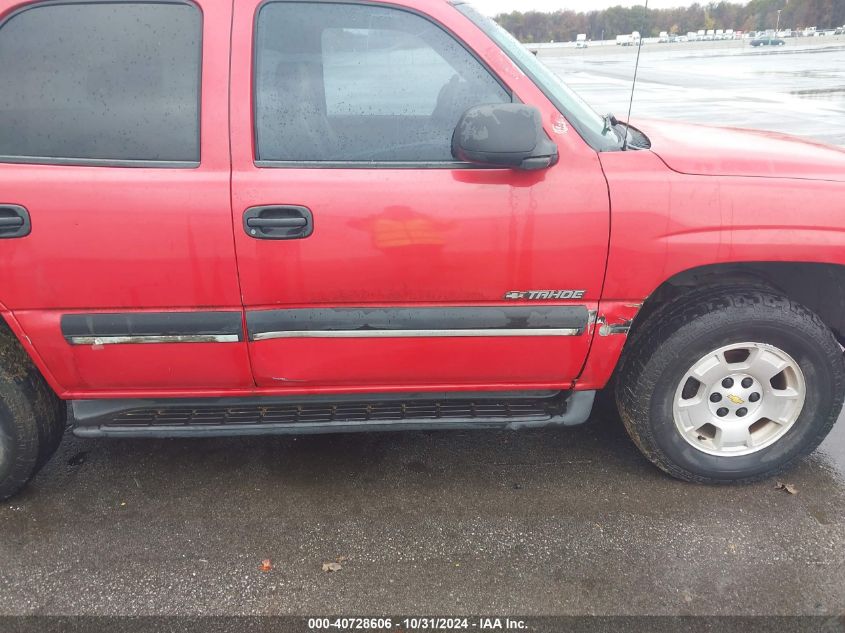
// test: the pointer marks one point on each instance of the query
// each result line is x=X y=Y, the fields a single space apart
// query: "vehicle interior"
x=318 y=69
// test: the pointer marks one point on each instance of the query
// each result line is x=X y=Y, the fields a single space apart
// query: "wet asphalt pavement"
x=539 y=522
x=796 y=89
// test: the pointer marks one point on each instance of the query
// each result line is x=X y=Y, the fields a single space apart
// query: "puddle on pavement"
x=832 y=450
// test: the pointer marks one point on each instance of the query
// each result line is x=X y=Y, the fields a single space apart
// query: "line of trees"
x=756 y=15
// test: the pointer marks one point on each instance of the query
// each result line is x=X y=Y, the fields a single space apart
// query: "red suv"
x=267 y=216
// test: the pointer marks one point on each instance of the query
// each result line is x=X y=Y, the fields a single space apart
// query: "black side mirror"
x=504 y=135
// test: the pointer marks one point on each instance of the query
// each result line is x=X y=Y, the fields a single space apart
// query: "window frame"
x=116 y=162
x=359 y=164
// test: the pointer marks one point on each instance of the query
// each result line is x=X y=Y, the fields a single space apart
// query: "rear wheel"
x=731 y=386
x=32 y=418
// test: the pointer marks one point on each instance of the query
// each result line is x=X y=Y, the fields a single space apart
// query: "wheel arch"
x=12 y=330
x=818 y=286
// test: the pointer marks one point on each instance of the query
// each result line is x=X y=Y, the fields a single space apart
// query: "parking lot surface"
x=540 y=522
x=537 y=522
x=796 y=89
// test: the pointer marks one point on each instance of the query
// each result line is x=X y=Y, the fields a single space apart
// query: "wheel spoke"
x=732 y=436
x=766 y=364
x=693 y=413
x=781 y=405
x=707 y=369
x=785 y=394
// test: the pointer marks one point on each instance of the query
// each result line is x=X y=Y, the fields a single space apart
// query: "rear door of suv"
x=115 y=223
x=369 y=258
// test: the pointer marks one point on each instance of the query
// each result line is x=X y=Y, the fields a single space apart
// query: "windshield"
x=582 y=117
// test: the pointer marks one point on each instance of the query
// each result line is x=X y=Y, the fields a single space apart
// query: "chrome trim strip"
x=423 y=321
x=174 y=338
x=264 y=336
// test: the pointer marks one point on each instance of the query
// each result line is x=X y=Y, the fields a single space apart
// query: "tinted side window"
x=101 y=81
x=344 y=82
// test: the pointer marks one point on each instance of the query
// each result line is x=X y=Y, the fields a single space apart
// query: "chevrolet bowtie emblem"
x=735 y=399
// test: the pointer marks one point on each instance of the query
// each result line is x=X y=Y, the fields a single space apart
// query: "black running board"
x=223 y=417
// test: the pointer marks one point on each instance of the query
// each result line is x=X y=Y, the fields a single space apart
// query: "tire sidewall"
x=689 y=344
x=8 y=441
x=20 y=437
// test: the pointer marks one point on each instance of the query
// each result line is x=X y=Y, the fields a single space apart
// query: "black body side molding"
x=512 y=319
x=130 y=327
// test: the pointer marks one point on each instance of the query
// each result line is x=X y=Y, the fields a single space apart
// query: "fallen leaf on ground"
x=332 y=566
x=266 y=565
x=791 y=489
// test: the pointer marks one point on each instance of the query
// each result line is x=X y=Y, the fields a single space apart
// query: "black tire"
x=32 y=418
x=681 y=333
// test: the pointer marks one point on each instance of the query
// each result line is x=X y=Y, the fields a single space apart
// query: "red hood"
x=716 y=151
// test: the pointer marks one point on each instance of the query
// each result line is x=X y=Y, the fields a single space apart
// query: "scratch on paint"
x=623 y=327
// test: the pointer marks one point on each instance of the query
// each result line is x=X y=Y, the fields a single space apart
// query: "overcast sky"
x=493 y=7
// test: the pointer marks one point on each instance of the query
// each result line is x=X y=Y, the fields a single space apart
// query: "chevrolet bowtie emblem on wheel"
x=535 y=295
x=735 y=399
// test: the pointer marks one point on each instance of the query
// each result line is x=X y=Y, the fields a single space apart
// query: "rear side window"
x=105 y=81
x=361 y=83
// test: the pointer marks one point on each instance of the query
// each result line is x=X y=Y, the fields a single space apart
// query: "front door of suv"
x=368 y=257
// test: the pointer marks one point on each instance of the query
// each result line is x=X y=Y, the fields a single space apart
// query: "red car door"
x=369 y=258
x=114 y=160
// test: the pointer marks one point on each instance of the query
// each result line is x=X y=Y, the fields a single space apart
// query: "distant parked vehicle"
x=581 y=44
x=767 y=41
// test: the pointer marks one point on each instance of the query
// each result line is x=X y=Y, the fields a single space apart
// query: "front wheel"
x=731 y=386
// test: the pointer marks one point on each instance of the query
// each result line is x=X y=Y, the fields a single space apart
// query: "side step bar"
x=222 y=417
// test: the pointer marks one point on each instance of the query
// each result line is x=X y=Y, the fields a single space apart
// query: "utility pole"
x=777 y=26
